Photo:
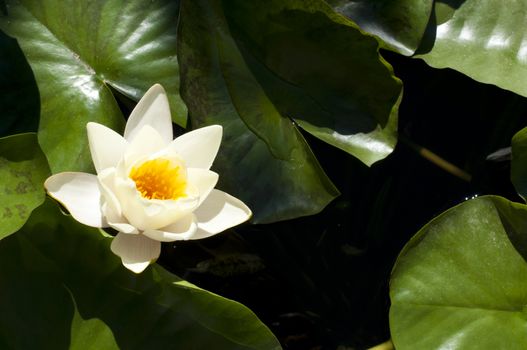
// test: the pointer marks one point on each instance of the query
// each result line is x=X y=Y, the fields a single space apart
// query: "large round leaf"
x=519 y=162
x=400 y=24
x=60 y=280
x=484 y=39
x=19 y=99
x=280 y=179
x=319 y=69
x=23 y=169
x=461 y=282
x=78 y=49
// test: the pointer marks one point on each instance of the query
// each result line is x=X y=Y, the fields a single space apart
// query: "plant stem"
x=437 y=160
x=387 y=345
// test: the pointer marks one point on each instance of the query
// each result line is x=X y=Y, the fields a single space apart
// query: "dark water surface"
x=321 y=282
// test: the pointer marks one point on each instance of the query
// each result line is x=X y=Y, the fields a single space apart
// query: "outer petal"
x=146 y=142
x=111 y=208
x=80 y=194
x=106 y=183
x=106 y=146
x=152 y=110
x=136 y=251
x=198 y=147
x=219 y=212
x=182 y=229
x=203 y=180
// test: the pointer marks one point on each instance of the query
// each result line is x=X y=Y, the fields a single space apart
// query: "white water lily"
x=149 y=187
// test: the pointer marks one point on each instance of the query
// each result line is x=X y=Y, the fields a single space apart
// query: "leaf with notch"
x=78 y=49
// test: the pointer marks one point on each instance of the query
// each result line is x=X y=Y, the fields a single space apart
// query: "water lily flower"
x=149 y=187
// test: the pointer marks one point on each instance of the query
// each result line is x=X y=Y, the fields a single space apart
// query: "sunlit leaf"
x=62 y=285
x=483 y=39
x=78 y=50
x=23 y=169
x=400 y=24
x=461 y=282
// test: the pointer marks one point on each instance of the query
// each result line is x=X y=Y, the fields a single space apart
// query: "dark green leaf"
x=317 y=68
x=278 y=182
x=400 y=24
x=19 y=99
x=483 y=39
x=53 y=260
x=77 y=49
x=519 y=162
x=23 y=169
x=461 y=282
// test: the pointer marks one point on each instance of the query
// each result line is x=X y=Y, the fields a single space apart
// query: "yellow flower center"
x=159 y=179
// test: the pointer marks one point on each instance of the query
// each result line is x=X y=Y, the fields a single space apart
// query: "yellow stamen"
x=159 y=179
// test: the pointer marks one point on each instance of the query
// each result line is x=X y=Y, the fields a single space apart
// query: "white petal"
x=124 y=227
x=219 y=212
x=203 y=180
x=136 y=251
x=153 y=110
x=201 y=234
x=107 y=187
x=106 y=146
x=182 y=229
x=111 y=208
x=80 y=194
x=198 y=147
x=147 y=142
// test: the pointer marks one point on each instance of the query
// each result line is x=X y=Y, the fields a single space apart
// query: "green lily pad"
x=78 y=50
x=319 y=69
x=278 y=182
x=400 y=24
x=23 y=169
x=519 y=162
x=19 y=101
x=55 y=268
x=461 y=282
x=483 y=39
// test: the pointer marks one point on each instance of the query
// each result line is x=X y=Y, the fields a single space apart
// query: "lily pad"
x=277 y=182
x=78 y=50
x=23 y=169
x=319 y=69
x=483 y=39
x=84 y=293
x=400 y=24
x=461 y=282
